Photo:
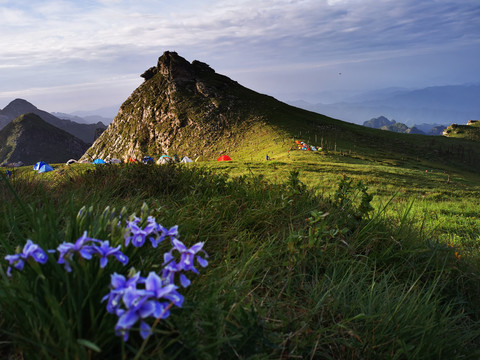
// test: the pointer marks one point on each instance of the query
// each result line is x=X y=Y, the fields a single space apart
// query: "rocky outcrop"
x=181 y=107
x=29 y=139
x=471 y=131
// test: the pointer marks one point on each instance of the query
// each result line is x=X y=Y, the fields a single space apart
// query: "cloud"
x=80 y=41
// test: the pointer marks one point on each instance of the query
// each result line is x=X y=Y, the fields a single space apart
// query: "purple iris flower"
x=137 y=236
x=118 y=285
x=81 y=246
x=188 y=255
x=172 y=233
x=104 y=251
x=138 y=307
x=29 y=250
x=155 y=286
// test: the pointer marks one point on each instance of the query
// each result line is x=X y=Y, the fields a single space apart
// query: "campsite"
x=210 y=221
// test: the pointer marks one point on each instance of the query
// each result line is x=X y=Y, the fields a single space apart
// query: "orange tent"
x=224 y=158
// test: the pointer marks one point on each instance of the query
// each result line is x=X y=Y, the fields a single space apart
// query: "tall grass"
x=292 y=274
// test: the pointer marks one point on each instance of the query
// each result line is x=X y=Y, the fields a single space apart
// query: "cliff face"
x=181 y=107
x=29 y=139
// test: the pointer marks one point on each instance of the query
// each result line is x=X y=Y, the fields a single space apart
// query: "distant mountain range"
x=87 y=119
x=440 y=105
x=383 y=123
x=28 y=138
x=84 y=131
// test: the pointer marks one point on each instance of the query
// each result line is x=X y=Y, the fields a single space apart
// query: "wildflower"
x=188 y=256
x=186 y=263
x=138 y=307
x=132 y=304
x=104 y=250
x=155 y=287
x=136 y=235
x=29 y=250
x=119 y=284
x=172 y=233
x=66 y=250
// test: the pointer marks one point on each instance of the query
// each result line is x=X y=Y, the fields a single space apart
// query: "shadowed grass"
x=292 y=274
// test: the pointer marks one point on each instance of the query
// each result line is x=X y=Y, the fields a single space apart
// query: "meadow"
x=311 y=255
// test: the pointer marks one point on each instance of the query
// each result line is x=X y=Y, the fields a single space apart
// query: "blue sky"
x=86 y=54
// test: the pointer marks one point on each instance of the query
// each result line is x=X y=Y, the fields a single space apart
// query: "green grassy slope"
x=291 y=274
x=190 y=110
x=469 y=132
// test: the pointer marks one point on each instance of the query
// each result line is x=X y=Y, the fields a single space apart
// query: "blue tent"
x=38 y=165
x=45 y=168
x=98 y=161
x=148 y=160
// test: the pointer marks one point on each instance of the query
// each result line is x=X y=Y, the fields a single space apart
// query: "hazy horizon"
x=67 y=56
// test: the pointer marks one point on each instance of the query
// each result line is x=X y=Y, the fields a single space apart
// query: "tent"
x=224 y=158
x=114 y=161
x=186 y=159
x=71 y=161
x=164 y=159
x=98 y=161
x=130 y=160
x=148 y=160
x=45 y=168
x=38 y=165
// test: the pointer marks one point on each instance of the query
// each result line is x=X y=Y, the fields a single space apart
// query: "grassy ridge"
x=293 y=273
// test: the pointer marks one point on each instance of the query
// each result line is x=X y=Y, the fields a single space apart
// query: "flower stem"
x=157 y=320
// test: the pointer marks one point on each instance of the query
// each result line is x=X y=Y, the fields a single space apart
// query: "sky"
x=75 y=55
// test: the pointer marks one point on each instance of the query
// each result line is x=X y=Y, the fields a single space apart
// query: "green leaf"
x=89 y=345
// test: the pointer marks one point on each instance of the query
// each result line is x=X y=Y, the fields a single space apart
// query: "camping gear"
x=45 y=168
x=148 y=160
x=164 y=159
x=98 y=161
x=186 y=159
x=71 y=161
x=38 y=165
x=9 y=173
x=224 y=158
x=114 y=161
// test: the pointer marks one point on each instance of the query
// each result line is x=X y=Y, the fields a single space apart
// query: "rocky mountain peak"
x=175 y=68
x=181 y=107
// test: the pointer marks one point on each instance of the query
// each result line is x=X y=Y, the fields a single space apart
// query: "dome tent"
x=224 y=158
x=45 y=168
x=98 y=161
x=38 y=165
x=164 y=159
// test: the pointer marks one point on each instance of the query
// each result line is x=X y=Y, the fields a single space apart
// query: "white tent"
x=114 y=161
x=164 y=159
x=186 y=159
x=71 y=161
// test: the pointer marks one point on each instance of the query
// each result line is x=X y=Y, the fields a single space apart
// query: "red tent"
x=224 y=158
